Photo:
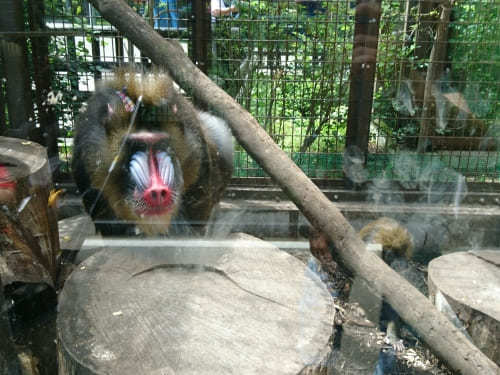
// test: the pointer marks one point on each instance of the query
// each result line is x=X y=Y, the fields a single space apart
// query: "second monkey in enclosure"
x=396 y=244
x=145 y=158
x=397 y=248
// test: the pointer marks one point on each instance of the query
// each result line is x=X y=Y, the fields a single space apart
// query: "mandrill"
x=145 y=158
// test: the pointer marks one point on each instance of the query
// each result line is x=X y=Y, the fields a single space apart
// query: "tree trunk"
x=363 y=66
x=47 y=118
x=434 y=72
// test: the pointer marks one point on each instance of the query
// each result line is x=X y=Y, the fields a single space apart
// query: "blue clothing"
x=386 y=362
x=165 y=14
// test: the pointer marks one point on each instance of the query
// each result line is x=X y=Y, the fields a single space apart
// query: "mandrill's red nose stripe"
x=158 y=195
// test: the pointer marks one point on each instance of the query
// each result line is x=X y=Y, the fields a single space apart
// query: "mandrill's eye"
x=139 y=170
x=165 y=167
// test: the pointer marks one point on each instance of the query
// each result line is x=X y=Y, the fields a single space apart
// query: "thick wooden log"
x=469 y=284
x=28 y=236
x=438 y=332
x=245 y=308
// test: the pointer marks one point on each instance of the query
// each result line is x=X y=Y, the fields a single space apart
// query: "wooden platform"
x=248 y=308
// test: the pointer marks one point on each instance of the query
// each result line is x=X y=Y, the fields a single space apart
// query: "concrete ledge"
x=437 y=228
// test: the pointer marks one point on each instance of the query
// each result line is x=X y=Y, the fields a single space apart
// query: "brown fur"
x=153 y=86
x=390 y=234
x=204 y=174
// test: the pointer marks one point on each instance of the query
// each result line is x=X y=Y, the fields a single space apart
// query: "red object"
x=158 y=196
x=5 y=180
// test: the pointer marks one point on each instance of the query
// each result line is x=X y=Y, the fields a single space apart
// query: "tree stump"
x=466 y=286
x=29 y=237
x=247 y=308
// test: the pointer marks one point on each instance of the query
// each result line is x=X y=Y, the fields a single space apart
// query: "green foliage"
x=298 y=85
x=297 y=82
x=69 y=98
x=60 y=9
x=475 y=53
x=290 y=66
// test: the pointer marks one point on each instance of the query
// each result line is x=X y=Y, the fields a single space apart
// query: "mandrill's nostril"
x=157 y=197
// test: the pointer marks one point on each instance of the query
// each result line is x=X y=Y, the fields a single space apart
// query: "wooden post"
x=72 y=68
x=363 y=67
x=201 y=34
x=96 y=55
x=130 y=52
x=425 y=23
x=119 y=51
x=151 y=5
x=434 y=71
x=47 y=118
x=14 y=49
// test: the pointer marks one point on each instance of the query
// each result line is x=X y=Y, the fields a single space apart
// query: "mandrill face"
x=144 y=156
x=153 y=175
x=149 y=177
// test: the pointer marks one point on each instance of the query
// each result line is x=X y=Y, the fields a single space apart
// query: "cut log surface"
x=28 y=236
x=470 y=284
x=247 y=309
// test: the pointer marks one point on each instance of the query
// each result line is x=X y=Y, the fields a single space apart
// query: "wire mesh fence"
x=334 y=83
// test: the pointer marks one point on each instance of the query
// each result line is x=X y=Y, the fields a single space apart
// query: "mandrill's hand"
x=392 y=337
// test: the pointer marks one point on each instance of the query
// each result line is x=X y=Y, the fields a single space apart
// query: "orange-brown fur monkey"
x=143 y=158
x=396 y=241
x=397 y=247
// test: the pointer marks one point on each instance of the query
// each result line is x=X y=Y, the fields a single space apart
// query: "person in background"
x=219 y=8
x=165 y=14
